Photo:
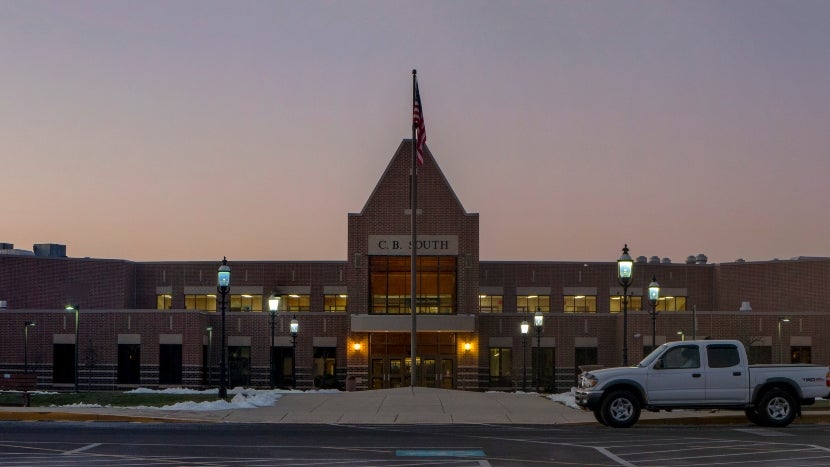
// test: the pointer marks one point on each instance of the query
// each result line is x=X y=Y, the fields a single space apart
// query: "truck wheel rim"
x=621 y=409
x=778 y=408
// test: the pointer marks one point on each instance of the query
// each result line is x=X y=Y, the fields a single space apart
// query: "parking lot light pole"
x=653 y=297
x=26 y=327
x=294 y=330
x=76 y=309
x=223 y=285
x=538 y=323
x=273 y=306
x=625 y=266
x=780 y=340
x=524 y=327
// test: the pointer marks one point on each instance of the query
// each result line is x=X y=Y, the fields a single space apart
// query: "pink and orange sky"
x=192 y=130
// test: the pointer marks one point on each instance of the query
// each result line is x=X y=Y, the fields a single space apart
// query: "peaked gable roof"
x=433 y=186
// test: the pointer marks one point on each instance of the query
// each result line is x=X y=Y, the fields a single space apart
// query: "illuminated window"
x=531 y=303
x=634 y=304
x=501 y=366
x=200 y=302
x=334 y=302
x=246 y=302
x=490 y=303
x=164 y=302
x=296 y=302
x=671 y=304
x=580 y=304
x=390 y=284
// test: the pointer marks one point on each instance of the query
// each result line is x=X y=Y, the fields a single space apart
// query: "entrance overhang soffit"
x=403 y=323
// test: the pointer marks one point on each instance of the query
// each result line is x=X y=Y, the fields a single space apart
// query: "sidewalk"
x=385 y=406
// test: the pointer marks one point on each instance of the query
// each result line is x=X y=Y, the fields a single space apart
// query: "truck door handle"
x=695 y=375
x=736 y=373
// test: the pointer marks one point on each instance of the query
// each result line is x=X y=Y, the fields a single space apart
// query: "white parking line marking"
x=81 y=449
x=763 y=432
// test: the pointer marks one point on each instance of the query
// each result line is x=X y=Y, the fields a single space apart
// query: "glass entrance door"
x=390 y=364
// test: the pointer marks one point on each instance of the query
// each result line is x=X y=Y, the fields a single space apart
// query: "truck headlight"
x=587 y=381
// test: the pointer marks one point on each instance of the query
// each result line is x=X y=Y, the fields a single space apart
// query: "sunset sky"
x=193 y=130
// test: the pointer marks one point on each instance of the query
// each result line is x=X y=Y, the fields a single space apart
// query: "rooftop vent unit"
x=4 y=304
x=6 y=246
x=745 y=306
x=665 y=261
x=50 y=250
x=701 y=259
x=641 y=260
x=690 y=260
x=654 y=260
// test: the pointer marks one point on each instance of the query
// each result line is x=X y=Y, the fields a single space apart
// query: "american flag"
x=418 y=124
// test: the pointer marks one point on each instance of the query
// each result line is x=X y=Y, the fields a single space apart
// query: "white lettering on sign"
x=401 y=245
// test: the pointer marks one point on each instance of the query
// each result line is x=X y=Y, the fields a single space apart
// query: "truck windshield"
x=652 y=356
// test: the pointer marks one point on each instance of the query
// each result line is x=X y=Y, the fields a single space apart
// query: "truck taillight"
x=827 y=380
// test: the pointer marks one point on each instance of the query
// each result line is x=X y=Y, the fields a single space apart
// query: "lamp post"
x=653 y=296
x=76 y=309
x=223 y=286
x=209 y=329
x=273 y=306
x=625 y=266
x=538 y=322
x=26 y=327
x=294 y=329
x=524 y=327
x=682 y=335
x=780 y=340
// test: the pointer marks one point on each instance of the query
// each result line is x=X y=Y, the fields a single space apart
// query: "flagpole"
x=413 y=204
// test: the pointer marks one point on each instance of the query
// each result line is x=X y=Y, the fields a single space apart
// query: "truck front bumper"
x=588 y=399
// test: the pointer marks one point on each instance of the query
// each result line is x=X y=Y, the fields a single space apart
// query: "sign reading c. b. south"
x=400 y=245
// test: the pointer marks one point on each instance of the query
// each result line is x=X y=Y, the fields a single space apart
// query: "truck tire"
x=598 y=416
x=620 y=409
x=777 y=408
x=753 y=416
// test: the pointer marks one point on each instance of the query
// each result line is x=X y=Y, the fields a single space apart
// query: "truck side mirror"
x=658 y=365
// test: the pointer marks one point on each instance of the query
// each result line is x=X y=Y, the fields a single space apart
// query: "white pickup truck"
x=706 y=374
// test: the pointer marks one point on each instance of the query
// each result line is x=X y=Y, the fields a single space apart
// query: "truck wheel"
x=620 y=409
x=753 y=416
x=777 y=408
x=598 y=416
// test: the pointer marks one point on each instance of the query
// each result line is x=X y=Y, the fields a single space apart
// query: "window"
x=800 y=355
x=239 y=366
x=323 y=370
x=680 y=357
x=63 y=366
x=129 y=364
x=634 y=304
x=334 y=302
x=390 y=284
x=295 y=302
x=164 y=302
x=501 y=366
x=580 y=304
x=532 y=303
x=490 y=303
x=671 y=304
x=170 y=364
x=200 y=302
x=544 y=369
x=722 y=355
x=283 y=359
x=246 y=302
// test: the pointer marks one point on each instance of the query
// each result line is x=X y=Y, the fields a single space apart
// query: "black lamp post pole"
x=625 y=267
x=76 y=309
x=223 y=286
x=271 y=351
x=26 y=326
x=524 y=357
x=294 y=328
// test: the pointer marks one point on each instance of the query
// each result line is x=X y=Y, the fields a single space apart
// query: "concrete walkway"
x=386 y=406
